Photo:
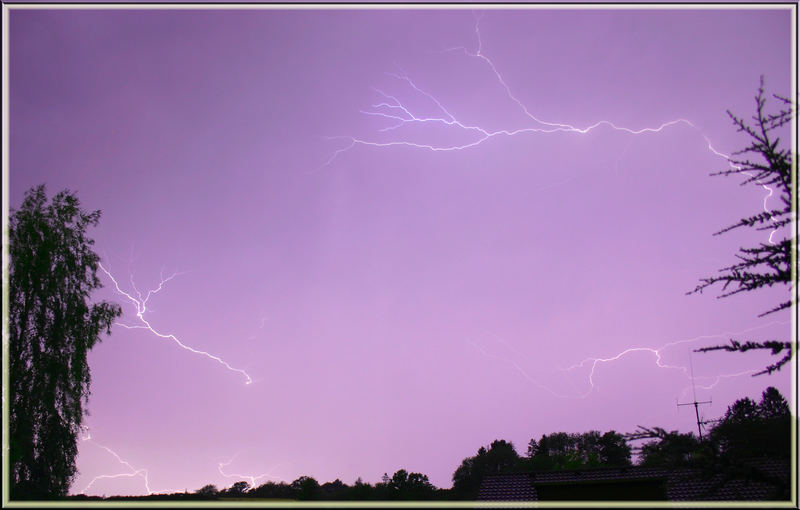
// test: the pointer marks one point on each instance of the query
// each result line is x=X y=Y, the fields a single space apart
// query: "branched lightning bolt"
x=553 y=126
x=140 y=301
x=252 y=478
x=133 y=472
x=400 y=114
x=141 y=307
x=657 y=352
x=596 y=361
x=395 y=110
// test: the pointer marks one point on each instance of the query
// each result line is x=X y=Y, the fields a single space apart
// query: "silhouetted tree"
x=306 y=487
x=51 y=327
x=748 y=433
x=237 y=489
x=398 y=480
x=768 y=263
x=466 y=479
x=209 y=490
x=614 y=449
x=773 y=405
x=410 y=486
x=558 y=450
x=561 y=450
x=749 y=430
x=360 y=490
x=271 y=489
x=671 y=449
x=333 y=490
x=500 y=457
x=383 y=490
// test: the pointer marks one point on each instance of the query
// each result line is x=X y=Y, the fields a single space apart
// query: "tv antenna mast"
x=695 y=403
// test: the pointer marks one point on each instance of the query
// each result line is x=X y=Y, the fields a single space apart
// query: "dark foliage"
x=400 y=486
x=209 y=490
x=274 y=490
x=747 y=431
x=51 y=327
x=768 y=263
x=333 y=490
x=306 y=487
x=236 y=490
x=670 y=449
x=775 y=346
x=410 y=486
x=360 y=490
x=499 y=458
x=570 y=451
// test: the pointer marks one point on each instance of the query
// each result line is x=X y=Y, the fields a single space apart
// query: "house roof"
x=507 y=487
x=756 y=480
x=600 y=474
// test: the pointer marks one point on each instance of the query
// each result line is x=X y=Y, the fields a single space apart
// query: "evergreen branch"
x=775 y=346
x=759 y=219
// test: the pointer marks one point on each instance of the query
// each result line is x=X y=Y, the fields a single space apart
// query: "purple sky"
x=396 y=306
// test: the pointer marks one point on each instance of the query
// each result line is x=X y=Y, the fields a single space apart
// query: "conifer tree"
x=764 y=162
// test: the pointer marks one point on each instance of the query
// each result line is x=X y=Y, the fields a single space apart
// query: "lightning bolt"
x=132 y=471
x=658 y=351
x=597 y=361
x=739 y=169
x=394 y=109
x=400 y=114
x=252 y=478
x=140 y=303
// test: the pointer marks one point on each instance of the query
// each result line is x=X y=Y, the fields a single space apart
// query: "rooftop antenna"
x=695 y=403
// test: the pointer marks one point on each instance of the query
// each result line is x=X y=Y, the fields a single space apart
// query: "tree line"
x=747 y=431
